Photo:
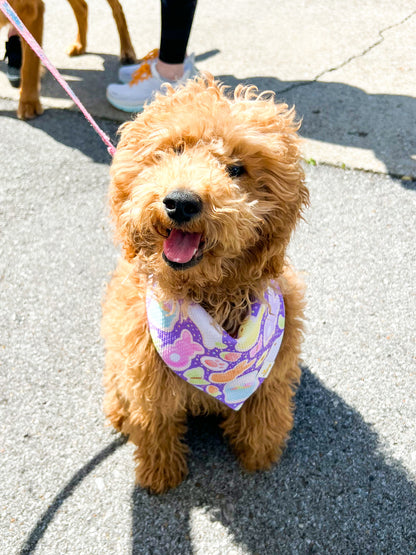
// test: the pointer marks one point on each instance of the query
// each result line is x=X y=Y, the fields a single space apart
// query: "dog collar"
x=202 y=353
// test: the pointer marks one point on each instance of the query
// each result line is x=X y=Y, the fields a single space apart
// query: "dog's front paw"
x=253 y=460
x=158 y=470
x=29 y=109
x=159 y=478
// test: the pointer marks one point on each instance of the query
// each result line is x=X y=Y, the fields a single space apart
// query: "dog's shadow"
x=333 y=491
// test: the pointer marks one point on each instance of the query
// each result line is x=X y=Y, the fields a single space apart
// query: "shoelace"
x=144 y=72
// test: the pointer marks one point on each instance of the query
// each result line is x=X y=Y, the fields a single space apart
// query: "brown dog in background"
x=31 y=13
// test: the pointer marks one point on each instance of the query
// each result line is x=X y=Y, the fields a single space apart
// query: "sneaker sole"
x=129 y=109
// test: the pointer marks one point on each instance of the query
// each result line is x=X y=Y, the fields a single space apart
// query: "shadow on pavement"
x=344 y=115
x=332 y=492
x=334 y=113
x=47 y=517
x=54 y=123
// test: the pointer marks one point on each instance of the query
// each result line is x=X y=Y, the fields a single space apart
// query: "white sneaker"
x=126 y=73
x=142 y=88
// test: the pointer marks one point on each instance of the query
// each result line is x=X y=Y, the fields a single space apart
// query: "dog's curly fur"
x=189 y=139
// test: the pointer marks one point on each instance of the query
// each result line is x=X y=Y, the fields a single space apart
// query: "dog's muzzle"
x=182 y=249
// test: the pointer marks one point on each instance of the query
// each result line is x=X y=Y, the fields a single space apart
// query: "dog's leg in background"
x=127 y=54
x=161 y=453
x=80 y=9
x=31 y=13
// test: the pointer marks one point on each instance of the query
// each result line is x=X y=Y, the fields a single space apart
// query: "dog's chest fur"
x=228 y=316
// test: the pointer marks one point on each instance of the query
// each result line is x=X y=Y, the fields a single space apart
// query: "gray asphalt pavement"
x=345 y=483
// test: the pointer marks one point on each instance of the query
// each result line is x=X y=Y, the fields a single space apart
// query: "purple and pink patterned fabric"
x=199 y=351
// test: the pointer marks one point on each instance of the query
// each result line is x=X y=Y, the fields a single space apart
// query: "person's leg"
x=141 y=82
x=176 y=23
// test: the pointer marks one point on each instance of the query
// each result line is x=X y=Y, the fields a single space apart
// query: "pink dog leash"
x=28 y=37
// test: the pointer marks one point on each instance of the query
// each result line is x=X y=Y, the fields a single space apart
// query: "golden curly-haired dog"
x=226 y=171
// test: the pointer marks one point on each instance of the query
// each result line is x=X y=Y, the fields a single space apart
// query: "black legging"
x=177 y=17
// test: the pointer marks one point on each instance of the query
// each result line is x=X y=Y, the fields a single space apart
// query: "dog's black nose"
x=181 y=205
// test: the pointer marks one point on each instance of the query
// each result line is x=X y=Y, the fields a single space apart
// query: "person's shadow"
x=332 y=492
x=341 y=114
x=334 y=113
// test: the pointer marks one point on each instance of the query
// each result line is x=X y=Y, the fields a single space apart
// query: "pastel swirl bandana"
x=202 y=353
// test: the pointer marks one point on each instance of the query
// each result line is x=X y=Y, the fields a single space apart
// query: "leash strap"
x=28 y=37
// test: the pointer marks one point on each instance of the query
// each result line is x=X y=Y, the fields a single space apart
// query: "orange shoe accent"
x=152 y=55
x=141 y=74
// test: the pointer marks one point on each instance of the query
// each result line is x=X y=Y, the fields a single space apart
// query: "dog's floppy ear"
x=278 y=173
x=277 y=143
x=124 y=171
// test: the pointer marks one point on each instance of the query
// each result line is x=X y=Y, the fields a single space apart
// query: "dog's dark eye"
x=235 y=170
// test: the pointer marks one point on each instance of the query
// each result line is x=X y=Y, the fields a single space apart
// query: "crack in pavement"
x=351 y=58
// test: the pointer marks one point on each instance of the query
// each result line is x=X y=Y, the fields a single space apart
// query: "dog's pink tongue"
x=181 y=246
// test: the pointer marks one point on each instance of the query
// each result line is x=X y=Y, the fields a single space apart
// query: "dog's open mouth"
x=182 y=250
